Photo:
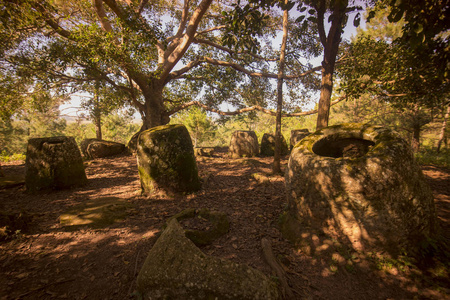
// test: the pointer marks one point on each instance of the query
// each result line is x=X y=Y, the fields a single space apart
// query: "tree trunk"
x=97 y=115
x=416 y=137
x=442 y=136
x=330 y=44
x=98 y=128
x=325 y=96
x=276 y=167
x=155 y=113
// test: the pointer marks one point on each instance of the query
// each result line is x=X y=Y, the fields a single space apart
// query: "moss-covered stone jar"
x=166 y=160
x=53 y=163
x=361 y=185
x=243 y=143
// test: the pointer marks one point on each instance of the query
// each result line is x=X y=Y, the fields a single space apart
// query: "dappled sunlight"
x=109 y=258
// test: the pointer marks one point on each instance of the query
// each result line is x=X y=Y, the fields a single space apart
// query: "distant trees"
x=382 y=64
x=199 y=124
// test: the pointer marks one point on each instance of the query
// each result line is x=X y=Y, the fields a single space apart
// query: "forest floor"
x=48 y=261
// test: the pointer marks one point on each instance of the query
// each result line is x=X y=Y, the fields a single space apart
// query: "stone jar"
x=361 y=185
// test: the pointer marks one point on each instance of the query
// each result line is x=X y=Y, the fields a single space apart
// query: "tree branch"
x=247 y=109
x=228 y=50
x=184 y=18
x=177 y=74
x=257 y=74
x=101 y=14
x=179 y=47
x=52 y=22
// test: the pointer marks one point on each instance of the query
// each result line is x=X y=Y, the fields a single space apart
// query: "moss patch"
x=96 y=213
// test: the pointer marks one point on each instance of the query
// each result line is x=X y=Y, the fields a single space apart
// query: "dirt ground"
x=49 y=262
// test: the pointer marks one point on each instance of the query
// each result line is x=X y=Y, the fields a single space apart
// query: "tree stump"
x=268 y=145
x=243 y=144
x=297 y=135
x=53 y=163
x=360 y=185
x=166 y=160
x=94 y=148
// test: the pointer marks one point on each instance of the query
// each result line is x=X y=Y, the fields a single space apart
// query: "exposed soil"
x=49 y=262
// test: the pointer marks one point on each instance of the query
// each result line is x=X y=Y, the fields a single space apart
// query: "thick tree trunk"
x=155 y=113
x=442 y=136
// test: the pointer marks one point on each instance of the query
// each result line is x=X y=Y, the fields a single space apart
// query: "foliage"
x=200 y=126
x=428 y=156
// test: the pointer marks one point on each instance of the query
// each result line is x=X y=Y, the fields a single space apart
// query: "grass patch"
x=428 y=156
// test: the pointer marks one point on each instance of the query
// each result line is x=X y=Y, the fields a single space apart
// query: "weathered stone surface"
x=359 y=182
x=94 y=148
x=268 y=145
x=176 y=269
x=219 y=225
x=166 y=160
x=53 y=163
x=297 y=135
x=1 y=172
x=95 y=213
x=204 y=151
x=132 y=143
x=243 y=144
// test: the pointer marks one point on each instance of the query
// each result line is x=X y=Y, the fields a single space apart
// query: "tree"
x=138 y=47
x=200 y=126
x=104 y=101
x=276 y=168
x=412 y=79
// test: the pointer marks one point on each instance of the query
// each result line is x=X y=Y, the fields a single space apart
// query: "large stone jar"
x=268 y=145
x=360 y=184
x=166 y=160
x=53 y=163
x=243 y=144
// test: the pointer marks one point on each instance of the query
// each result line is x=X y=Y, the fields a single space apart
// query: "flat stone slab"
x=96 y=213
x=176 y=269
